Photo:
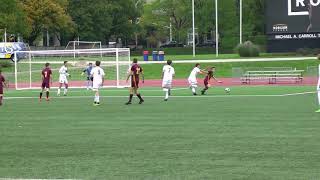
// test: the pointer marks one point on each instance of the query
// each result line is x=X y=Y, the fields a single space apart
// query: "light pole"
x=136 y=22
x=170 y=30
x=240 y=21
x=5 y=35
x=193 y=31
x=217 y=29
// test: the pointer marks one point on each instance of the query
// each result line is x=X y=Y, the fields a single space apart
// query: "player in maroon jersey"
x=135 y=72
x=207 y=79
x=2 y=84
x=46 y=80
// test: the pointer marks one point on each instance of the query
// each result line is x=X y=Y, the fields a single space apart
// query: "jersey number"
x=45 y=74
x=138 y=70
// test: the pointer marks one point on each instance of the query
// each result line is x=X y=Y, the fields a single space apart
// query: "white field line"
x=213 y=96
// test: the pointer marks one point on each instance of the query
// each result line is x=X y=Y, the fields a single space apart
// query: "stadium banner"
x=294 y=36
x=293 y=16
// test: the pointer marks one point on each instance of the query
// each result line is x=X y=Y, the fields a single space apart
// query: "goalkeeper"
x=87 y=71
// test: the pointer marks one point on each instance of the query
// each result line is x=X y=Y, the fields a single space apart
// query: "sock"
x=65 y=90
x=139 y=96
x=130 y=97
x=1 y=99
x=167 y=93
x=95 y=98
x=47 y=93
x=59 y=91
x=193 y=90
x=40 y=95
x=319 y=97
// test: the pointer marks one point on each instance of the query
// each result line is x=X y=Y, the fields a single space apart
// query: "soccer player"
x=134 y=73
x=2 y=84
x=97 y=74
x=63 y=78
x=167 y=75
x=89 y=78
x=207 y=79
x=193 y=78
x=46 y=75
x=318 y=89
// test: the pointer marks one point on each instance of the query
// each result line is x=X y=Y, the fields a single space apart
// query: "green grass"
x=219 y=136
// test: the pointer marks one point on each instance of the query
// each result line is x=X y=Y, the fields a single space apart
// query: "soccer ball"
x=227 y=90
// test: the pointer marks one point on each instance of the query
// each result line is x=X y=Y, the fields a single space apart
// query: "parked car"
x=7 y=50
x=207 y=43
x=171 y=44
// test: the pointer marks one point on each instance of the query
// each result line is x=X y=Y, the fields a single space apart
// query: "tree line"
x=132 y=21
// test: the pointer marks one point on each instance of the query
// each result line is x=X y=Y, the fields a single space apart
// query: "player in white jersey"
x=318 y=88
x=193 y=83
x=167 y=76
x=63 y=78
x=97 y=73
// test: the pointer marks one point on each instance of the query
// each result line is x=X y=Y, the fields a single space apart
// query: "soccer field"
x=256 y=132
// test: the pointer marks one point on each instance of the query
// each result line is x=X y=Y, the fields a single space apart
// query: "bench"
x=273 y=76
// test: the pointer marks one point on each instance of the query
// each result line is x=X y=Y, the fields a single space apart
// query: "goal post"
x=115 y=61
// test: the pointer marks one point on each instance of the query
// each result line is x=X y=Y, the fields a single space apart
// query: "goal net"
x=76 y=45
x=114 y=61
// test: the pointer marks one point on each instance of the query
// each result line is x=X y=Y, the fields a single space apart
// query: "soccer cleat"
x=165 y=99
x=97 y=104
x=141 y=101
x=128 y=103
x=65 y=95
x=195 y=94
x=47 y=99
x=318 y=111
x=202 y=92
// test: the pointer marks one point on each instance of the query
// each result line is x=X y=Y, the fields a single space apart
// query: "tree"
x=48 y=15
x=178 y=12
x=12 y=17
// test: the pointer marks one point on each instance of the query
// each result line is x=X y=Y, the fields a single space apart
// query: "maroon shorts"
x=135 y=84
x=45 y=85
x=1 y=90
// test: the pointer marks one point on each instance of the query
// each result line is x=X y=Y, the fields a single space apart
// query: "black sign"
x=301 y=17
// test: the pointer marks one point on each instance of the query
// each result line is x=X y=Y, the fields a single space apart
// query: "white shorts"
x=96 y=86
x=167 y=84
x=193 y=82
x=63 y=80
